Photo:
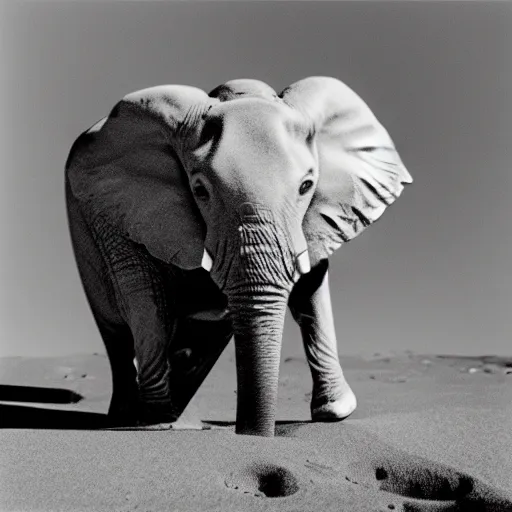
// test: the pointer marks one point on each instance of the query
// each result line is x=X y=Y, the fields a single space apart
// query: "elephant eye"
x=305 y=186
x=200 y=191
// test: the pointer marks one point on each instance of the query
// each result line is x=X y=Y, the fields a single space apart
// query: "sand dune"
x=431 y=433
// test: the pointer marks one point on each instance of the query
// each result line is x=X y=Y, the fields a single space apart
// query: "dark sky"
x=432 y=275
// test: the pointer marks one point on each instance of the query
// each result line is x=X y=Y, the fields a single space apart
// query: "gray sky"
x=431 y=276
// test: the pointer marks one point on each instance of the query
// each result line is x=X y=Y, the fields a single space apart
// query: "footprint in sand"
x=398 y=480
x=426 y=486
x=263 y=480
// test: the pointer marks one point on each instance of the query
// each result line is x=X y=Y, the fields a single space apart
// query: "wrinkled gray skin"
x=256 y=188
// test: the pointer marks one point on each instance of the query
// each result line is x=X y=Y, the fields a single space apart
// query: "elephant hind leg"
x=202 y=333
x=194 y=350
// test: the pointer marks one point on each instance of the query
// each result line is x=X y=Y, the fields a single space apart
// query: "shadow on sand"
x=17 y=416
x=39 y=395
x=26 y=417
x=284 y=428
x=21 y=416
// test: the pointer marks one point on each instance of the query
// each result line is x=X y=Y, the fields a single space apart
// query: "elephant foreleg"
x=116 y=334
x=310 y=305
x=145 y=303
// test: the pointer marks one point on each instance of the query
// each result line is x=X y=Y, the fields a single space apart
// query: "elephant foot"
x=122 y=412
x=141 y=415
x=156 y=415
x=327 y=407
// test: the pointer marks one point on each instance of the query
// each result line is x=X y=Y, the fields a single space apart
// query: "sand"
x=430 y=433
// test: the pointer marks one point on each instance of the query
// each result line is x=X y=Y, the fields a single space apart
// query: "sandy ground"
x=430 y=433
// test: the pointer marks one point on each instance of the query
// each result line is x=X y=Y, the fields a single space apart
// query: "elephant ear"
x=360 y=172
x=126 y=170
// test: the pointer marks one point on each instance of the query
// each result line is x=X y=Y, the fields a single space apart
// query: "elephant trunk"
x=258 y=328
x=258 y=287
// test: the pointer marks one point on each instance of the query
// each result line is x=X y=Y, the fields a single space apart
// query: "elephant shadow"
x=284 y=428
x=10 y=393
x=23 y=416
x=16 y=416
x=28 y=417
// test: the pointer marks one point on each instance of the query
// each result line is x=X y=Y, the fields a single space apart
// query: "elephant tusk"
x=207 y=261
x=303 y=264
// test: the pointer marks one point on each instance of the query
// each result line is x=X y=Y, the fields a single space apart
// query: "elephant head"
x=253 y=186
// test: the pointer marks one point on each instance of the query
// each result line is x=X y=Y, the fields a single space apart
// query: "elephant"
x=196 y=218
